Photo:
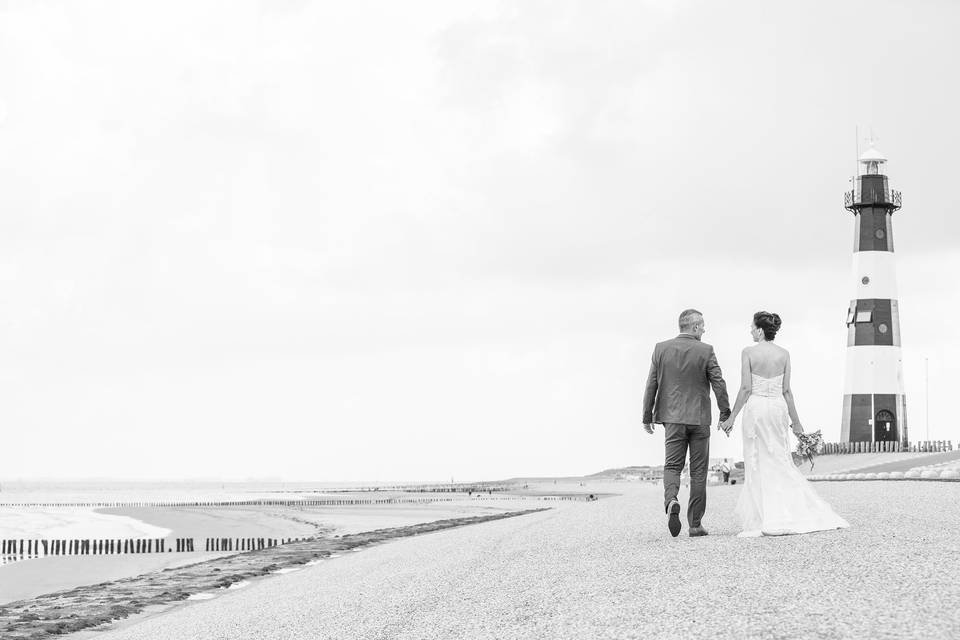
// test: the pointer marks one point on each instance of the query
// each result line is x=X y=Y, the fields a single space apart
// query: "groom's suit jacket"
x=678 y=387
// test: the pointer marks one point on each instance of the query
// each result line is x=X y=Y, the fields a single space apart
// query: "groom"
x=678 y=396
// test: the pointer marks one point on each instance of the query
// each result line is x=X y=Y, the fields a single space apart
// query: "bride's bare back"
x=767 y=360
x=764 y=360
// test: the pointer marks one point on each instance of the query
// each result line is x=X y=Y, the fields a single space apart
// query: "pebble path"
x=608 y=569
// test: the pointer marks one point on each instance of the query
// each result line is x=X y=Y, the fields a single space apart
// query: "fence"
x=23 y=549
x=320 y=502
x=924 y=446
x=14 y=550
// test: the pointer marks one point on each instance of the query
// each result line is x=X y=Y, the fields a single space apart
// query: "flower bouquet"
x=808 y=446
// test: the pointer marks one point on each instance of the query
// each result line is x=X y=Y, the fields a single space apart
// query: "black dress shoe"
x=696 y=532
x=673 y=518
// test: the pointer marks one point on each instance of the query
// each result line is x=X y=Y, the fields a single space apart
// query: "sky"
x=432 y=240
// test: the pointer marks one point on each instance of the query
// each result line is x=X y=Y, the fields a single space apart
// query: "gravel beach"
x=608 y=569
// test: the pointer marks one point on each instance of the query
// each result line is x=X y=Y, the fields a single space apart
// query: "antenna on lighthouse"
x=857 y=146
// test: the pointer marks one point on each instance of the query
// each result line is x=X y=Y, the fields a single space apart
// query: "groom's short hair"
x=688 y=318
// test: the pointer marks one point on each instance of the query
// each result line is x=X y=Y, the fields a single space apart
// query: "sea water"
x=33 y=510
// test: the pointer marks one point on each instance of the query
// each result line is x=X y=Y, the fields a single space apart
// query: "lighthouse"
x=874 y=405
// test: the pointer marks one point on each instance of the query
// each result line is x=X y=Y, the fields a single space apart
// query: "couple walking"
x=776 y=498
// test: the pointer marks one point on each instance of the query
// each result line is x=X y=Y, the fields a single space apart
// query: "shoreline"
x=276 y=520
x=90 y=606
x=38 y=576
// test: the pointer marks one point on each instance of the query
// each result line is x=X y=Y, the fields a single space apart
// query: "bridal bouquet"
x=808 y=445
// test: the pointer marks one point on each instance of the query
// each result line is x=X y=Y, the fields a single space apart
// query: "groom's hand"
x=648 y=427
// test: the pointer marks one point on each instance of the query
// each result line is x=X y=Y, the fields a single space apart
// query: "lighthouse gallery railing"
x=856 y=197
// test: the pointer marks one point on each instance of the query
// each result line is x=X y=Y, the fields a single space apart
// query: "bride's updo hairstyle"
x=769 y=323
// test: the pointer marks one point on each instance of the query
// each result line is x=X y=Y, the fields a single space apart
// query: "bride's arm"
x=746 y=384
x=788 y=396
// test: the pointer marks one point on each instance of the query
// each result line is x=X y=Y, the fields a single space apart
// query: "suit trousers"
x=678 y=438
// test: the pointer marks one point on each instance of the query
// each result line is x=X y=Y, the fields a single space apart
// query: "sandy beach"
x=623 y=529
x=31 y=578
x=90 y=607
x=609 y=569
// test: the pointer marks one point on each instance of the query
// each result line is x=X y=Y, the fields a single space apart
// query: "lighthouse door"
x=885 y=426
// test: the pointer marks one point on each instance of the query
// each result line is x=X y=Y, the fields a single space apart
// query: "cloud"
x=437 y=229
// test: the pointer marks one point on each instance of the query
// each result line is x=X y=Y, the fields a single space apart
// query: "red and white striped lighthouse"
x=874 y=404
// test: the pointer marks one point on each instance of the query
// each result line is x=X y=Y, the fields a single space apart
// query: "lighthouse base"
x=879 y=417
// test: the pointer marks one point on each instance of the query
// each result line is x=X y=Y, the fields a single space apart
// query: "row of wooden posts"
x=320 y=502
x=439 y=488
x=43 y=548
x=246 y=544
x=924 y=446
x=18 y=549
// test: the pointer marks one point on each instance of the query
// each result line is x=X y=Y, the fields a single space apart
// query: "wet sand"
x=94 y=605
x=32 y=578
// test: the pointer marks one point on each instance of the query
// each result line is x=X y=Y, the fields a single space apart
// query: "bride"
x=776 y=499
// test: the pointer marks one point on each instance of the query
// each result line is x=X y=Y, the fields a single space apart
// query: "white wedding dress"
x=776 y=498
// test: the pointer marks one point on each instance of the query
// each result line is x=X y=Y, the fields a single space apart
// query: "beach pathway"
x=608 y=569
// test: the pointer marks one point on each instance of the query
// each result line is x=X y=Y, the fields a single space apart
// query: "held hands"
x=726 y=426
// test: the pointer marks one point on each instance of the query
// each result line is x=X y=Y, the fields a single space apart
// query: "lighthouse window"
x=882 y=328
x=865 y=280
x=864 y=316
x=880 y=234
